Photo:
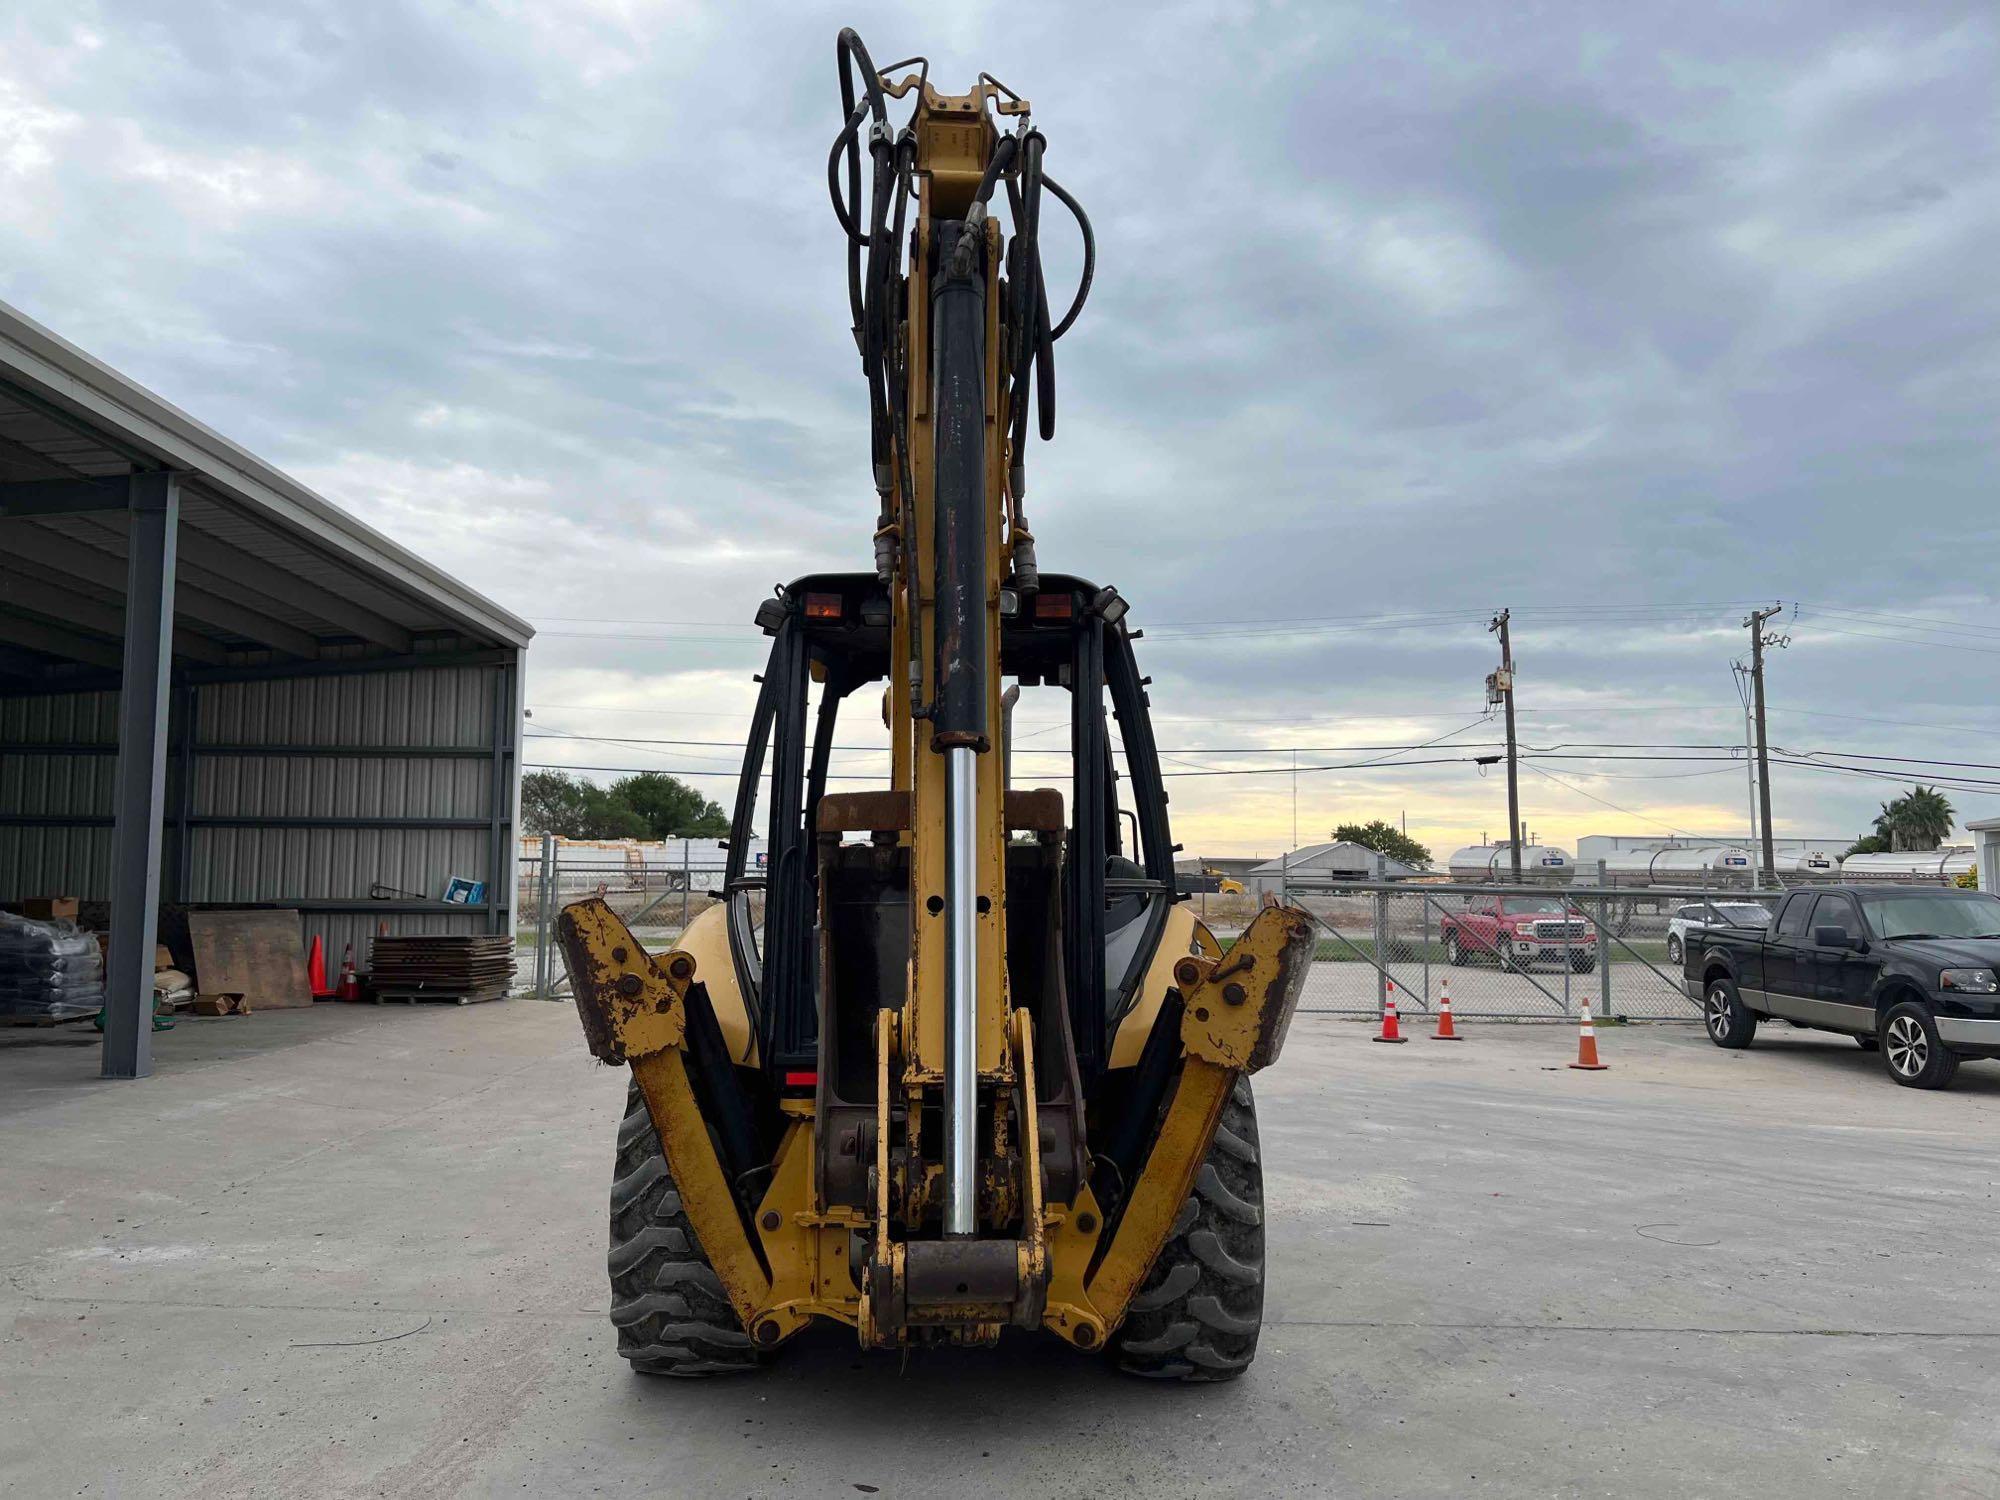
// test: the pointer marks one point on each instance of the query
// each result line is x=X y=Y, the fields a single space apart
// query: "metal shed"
x=217 y=688
x=1314 y=864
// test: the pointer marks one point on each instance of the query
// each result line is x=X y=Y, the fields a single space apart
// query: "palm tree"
x=1918 y=821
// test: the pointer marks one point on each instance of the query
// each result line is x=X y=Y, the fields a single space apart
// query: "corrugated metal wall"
x=56 y=860
x=404 y=712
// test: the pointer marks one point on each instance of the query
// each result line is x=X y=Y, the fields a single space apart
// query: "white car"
x=1711 y=914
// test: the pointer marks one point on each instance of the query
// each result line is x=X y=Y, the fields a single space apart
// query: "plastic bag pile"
x=49 y=969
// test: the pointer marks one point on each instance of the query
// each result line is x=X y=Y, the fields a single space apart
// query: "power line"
x=1606 y=802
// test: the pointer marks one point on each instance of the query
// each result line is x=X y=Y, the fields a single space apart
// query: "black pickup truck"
x=1907 y=969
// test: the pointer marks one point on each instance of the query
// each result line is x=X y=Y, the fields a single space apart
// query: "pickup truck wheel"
x=1504 y=954
x=1722 y=1012
x=1453 y=954
x=1911 y=1050
x=1674 y=950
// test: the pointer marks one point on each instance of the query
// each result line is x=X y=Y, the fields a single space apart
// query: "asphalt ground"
x=359 y=1251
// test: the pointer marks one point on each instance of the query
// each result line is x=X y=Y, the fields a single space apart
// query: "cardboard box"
x=222 y=1003
x=50 y=908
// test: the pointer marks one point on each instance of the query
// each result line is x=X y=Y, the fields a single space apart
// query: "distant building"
x=1323 y=863
x=1229 y=866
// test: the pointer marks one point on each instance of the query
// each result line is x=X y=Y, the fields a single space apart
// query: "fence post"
x=1381 y=953
x=545 y=898
x=687 y=883
x=1603 y=950
x=1285 y=877
x=1424 y=940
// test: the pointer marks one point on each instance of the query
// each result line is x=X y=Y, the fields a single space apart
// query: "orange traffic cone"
x=1586 y=1044
x=350 y=985
x=316 y=970
x=382 y=928
x=1391 y=1031
x=1444 y=1032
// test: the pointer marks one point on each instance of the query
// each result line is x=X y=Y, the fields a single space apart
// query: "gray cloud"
x=1416 y=312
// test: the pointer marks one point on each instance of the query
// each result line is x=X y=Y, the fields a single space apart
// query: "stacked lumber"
x=460 y=970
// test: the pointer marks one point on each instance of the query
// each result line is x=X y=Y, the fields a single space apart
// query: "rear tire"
x=667 y=1303
x=1911 y=1050
x=1197 y=1316
x=1674 y=950
x=1722 y=1012
x=1453 y=953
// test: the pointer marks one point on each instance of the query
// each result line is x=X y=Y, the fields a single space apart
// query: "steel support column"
x=500 y=809
x=139 y=792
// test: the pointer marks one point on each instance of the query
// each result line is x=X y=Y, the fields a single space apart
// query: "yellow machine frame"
x=792 y=1257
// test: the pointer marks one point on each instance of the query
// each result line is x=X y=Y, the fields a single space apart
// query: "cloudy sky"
x=1623 y=318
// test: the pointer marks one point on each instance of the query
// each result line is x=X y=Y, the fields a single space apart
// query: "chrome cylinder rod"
x=961 y=1057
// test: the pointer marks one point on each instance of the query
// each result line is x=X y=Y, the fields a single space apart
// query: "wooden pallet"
x=437 y=997
x=43 y=1022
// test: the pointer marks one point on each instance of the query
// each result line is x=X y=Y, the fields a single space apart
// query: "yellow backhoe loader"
x=956 y=1058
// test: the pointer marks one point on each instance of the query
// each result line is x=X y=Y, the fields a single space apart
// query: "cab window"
x=1837 y=911
x=1792 y=920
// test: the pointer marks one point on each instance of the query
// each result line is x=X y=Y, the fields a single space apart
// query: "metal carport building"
x=217 y=688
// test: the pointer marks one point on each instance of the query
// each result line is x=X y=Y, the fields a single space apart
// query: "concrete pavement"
x=359 y=1252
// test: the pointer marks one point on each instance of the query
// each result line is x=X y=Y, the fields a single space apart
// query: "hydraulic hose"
x=875 y=235
x=1089 y=255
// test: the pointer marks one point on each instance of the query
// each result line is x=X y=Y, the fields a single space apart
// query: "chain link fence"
x=1513 y=952
x=1506 y=952
x=657 y=901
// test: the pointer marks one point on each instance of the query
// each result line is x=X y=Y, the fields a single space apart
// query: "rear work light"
x=823 y=606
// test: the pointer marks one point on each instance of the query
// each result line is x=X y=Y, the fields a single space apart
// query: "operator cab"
x=1089 y=855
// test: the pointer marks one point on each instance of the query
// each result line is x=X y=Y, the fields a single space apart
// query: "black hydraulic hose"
x=850 y=221
x=875 y=248
x=1002 y=158
x=877 y=294
x=851 y=53
x=1045 y=361
x=1024 y=198
x=895 y=360
x=1089 y=255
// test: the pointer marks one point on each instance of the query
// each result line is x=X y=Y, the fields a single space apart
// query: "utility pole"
x=1755 y=625
x=1500 y=687
x=1749 y=761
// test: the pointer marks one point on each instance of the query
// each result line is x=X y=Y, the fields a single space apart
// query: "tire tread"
x=667 y=1303
x=1197 y=1316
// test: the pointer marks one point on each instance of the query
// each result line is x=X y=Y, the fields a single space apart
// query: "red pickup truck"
x=1518 y=931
